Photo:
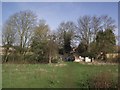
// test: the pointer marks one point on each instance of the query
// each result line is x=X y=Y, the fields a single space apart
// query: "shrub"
x=14 y=58
x=88 y=54
x=103 y=80
x=55 y=60
x=36 y=58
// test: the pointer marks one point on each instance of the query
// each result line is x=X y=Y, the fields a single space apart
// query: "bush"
x=103 y=80
x=14 y=58
x=36 y=58
x=55 y=60
x=61 y=51
x=88 y=54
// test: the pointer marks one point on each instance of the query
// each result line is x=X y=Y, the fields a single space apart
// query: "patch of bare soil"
x=61 y=65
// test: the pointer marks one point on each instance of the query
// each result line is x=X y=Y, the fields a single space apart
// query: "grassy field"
x=65 y=75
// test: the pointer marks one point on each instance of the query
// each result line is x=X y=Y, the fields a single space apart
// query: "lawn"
x=64 y=75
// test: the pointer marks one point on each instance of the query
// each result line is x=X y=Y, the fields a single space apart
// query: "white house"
x=77 y=59
x=81 y=58
x=87 y=59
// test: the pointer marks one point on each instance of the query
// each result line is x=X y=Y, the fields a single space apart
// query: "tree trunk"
x=50 y=58
x=6 y=54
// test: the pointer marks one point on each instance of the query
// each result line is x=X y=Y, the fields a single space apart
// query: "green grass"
x=70 y=75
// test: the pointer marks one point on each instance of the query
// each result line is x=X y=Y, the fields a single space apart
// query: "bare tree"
x=24 y=23
x=17 y=31
x=8 y=37
x=8 y=34
x=88 y=27
x=108 y=23
x=66 y=34
x=42 y=31
x=85 y=30
x=52 y=48
x=96 y=25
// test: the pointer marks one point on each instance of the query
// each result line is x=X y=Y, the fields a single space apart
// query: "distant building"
x=112 y=55
x=1 y=50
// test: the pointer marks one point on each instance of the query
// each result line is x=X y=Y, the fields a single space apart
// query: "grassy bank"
x=65 y=75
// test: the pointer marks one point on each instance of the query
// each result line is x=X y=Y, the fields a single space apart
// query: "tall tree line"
x=92 y=34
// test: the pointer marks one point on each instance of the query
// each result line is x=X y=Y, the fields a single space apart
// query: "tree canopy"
x=93 y=34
